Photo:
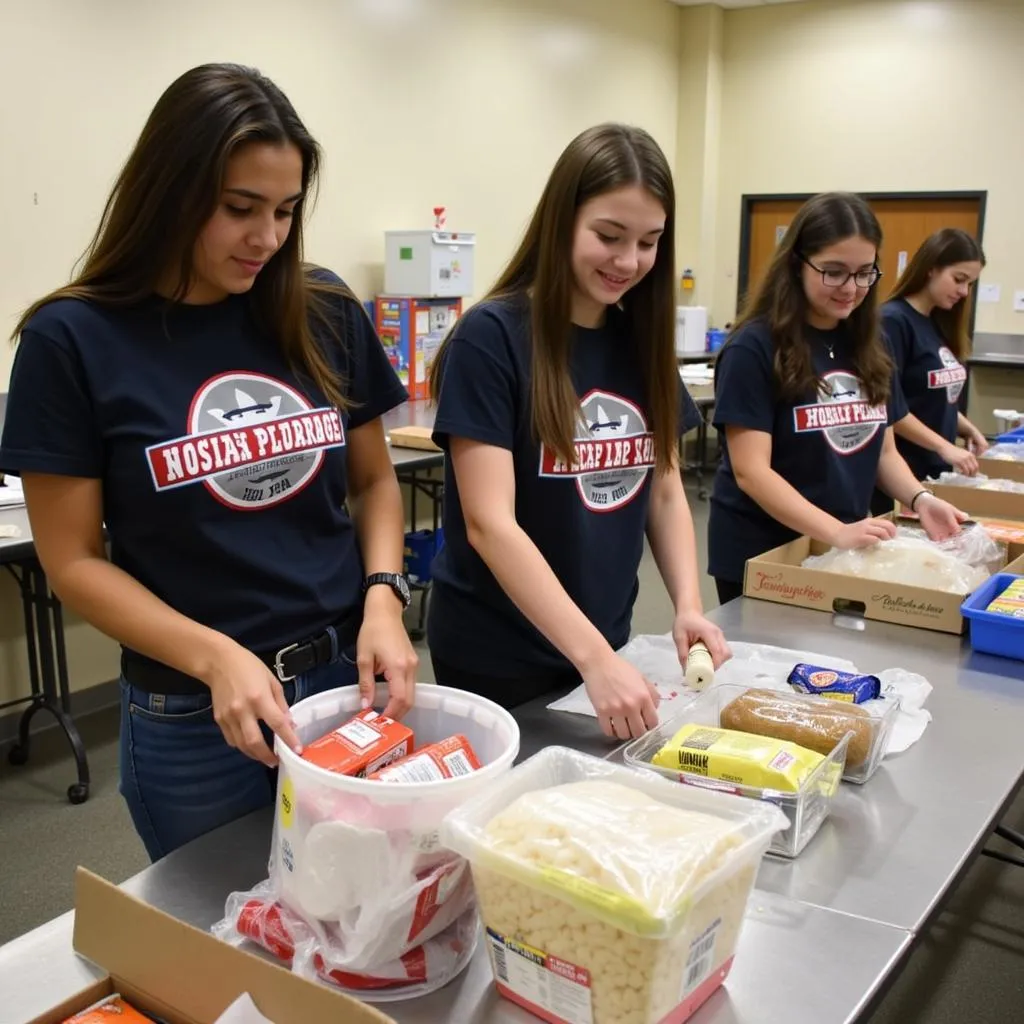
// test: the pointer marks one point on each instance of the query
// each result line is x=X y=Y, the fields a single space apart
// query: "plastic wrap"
x=957 y=565
x=313 y=951
x=981 y=482
x=630 y=889
x=1008 y=451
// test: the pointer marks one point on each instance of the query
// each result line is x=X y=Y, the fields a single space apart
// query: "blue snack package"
x=828 y=682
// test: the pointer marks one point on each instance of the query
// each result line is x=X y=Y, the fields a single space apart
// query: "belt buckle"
x=279 y=662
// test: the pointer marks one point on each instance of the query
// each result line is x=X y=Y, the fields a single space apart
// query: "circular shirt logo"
x=956 y=386
x=855 y=429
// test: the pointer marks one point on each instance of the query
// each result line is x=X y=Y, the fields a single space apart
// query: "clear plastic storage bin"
x=609 y=895
x=361 y=860
x=805 y=810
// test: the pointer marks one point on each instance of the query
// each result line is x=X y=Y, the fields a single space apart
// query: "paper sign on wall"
x=780 y=233
x=901 y=262
x=988 y=293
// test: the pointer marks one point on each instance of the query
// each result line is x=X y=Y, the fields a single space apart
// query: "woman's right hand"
x=245 y=692
x=864 y=533
x=626 y=704
x=962 y=460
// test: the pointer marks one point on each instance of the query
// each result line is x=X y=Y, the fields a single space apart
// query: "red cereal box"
x=445 y=760
x=363 y=745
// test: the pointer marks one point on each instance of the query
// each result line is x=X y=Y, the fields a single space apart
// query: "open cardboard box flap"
x=1005 y=469
x=187 y=974
x=977 y=501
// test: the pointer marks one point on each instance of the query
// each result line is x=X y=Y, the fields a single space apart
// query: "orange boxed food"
x=444 y=760
x=363 y=745
x=112 y=1010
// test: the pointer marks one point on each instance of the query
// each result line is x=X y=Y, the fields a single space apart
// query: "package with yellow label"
x=739 y=757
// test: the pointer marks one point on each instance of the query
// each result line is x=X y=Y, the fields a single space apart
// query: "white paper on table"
x=12 y=493
x=766 y=667
x=243 y=1011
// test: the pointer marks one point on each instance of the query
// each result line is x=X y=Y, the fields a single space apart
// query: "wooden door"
x=906 y=222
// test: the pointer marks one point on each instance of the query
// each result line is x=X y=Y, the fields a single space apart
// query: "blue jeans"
x=180 y=778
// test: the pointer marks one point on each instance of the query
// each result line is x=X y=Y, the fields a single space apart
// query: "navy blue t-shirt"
x=587 y=519
x=224 y=474
x=827 y=446
x=931 y=378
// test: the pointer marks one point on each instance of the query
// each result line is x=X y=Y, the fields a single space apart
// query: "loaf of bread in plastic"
x=816 y=725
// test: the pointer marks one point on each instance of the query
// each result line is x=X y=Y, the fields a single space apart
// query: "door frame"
x=747 y=200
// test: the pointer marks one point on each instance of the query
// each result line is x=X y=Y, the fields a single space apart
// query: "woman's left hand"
x=384 y=648
x=939 y=519
x=691 y=626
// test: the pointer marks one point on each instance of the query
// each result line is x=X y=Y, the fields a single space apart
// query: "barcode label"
x=500 y=959
x=701 y=959
x=420 y=768
x=445 y=273
x=457 y=763
x=359 y=733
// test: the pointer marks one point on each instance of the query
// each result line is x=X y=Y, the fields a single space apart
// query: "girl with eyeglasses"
x=925 y=324
x=805 y=401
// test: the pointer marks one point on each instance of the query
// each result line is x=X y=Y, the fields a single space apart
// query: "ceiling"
x=732 y=3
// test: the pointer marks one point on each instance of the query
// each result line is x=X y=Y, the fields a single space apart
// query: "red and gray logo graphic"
x=951 y=377
x=842 y=416
x=614 y=452
x=253 y=442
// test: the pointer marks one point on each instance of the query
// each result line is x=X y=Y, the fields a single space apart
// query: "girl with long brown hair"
x=560 y=405
x=925 y=323
x=804 y=397
x=215 y=404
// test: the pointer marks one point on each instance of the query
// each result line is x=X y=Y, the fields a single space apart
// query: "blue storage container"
x=1013 y=435
x=992 y=633
x=420 y=549
x=716 y=339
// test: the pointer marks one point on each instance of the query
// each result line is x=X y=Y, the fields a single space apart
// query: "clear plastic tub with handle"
x=806 y=808
x=361 y=859
x=609 y=895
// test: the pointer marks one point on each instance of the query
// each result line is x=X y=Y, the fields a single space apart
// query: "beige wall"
x=893 y=96
x=464 y=103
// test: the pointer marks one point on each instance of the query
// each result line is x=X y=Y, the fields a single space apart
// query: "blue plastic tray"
x=992 y=633
x=1013 y=435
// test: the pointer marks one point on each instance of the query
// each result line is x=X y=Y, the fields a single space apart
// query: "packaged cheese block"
x=738 y=757
x=811 y=724
x=111 y=1010
x=445 y=760
x=363 y=745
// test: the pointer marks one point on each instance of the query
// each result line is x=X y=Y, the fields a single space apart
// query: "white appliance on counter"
x=691 y=330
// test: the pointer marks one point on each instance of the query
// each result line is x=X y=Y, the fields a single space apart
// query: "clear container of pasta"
x=609 y=895
x=803 y=786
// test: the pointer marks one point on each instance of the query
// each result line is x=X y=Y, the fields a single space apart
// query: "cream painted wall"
x=877 y=96
x=464 y=103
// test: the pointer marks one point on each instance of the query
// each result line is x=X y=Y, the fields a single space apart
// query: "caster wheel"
x=78 y=793
x=17 y=754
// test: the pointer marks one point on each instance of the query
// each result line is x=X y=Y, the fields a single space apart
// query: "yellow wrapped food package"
x=1010 y=601
x=738 y=757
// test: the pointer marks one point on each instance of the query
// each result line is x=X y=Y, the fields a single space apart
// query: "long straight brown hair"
x=600 y=160
x=779 y=299
x=940 y=250
x=170 y=187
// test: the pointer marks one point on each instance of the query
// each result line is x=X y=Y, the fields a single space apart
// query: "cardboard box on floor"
x=779 y=576
x=1002 y=469
x=171 y=970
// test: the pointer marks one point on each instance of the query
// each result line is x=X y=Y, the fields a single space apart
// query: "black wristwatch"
x=395 y=580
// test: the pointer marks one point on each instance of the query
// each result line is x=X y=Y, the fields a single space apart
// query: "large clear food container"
x=805 y=809
x=360 y=860
x=609 y=895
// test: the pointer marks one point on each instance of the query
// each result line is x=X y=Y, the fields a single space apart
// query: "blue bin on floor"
x=992 y=633
x=420 y=548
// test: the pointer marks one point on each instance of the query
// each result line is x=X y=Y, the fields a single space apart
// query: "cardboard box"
x=1002 y=469
x=778 y=576
x=413 y=437
x=977 y=501
x=169 y=969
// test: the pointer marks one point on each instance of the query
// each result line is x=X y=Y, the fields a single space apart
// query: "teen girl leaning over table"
x=560 y=404
x=805 y=400
x=217 y=405
x=925 y=324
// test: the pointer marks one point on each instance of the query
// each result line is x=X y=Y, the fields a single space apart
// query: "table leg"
x=1012 y=837
x=48 y=671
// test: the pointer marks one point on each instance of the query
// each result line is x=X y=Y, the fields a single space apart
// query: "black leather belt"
x=287 y=663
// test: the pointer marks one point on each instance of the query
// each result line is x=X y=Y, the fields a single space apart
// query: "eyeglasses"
x=837 y=278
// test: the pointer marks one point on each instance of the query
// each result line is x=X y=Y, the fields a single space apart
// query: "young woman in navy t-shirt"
x=216 y=405
x=560 y=404
x=804 y=397
x=925 y=323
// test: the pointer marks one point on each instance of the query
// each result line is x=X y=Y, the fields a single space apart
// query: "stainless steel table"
x=894 y=847
x=796 y=963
